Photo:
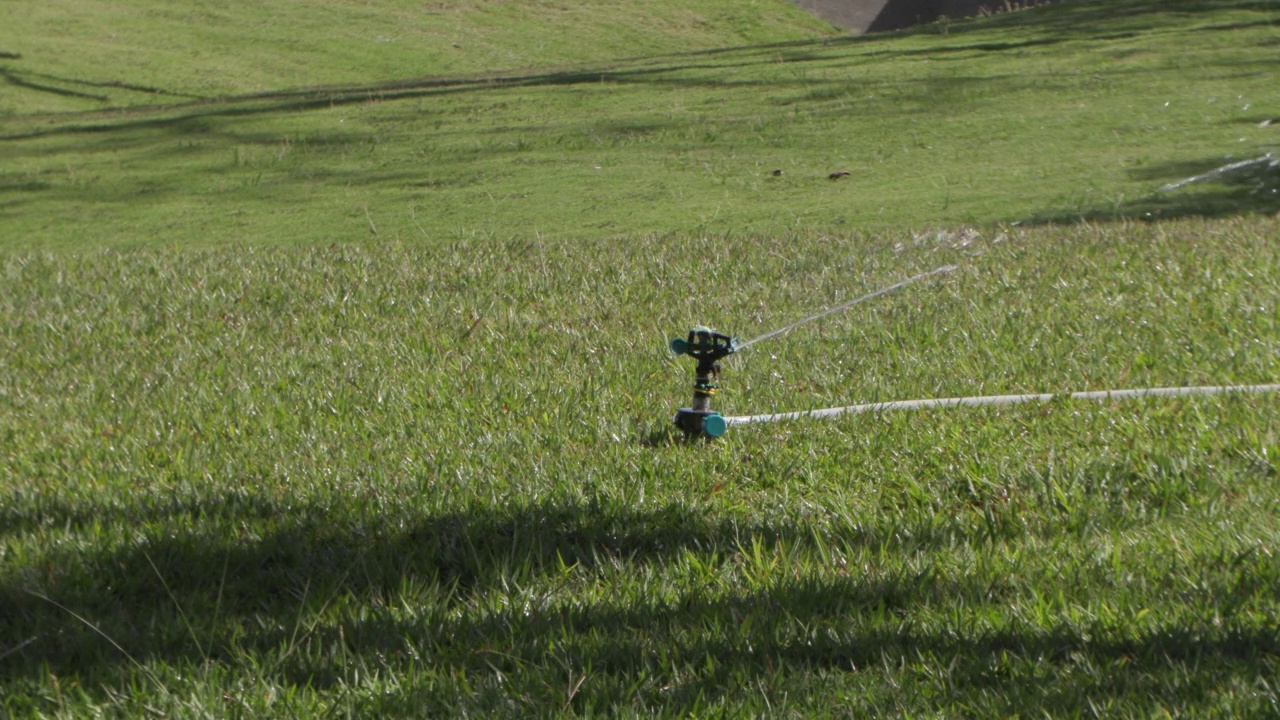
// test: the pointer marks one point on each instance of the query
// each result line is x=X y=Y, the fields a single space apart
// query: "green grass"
x=398 y=480
x=296 y=422
x=210 y=49
x=1045 y=116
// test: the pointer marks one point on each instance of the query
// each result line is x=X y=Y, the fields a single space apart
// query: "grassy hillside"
x=343 y=388
x=1055 y=114
x=396 y=481
x=212 y=48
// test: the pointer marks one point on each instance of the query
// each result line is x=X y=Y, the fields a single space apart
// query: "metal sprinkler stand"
x=707 y=347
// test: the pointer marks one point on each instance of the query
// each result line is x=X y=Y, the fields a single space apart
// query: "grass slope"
x=215 y=48
x=356 y=399
x=1065 y=112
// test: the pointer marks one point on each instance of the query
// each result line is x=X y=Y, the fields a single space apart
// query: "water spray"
x=709 y=347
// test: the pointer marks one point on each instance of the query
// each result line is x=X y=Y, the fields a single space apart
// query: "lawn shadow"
x=1253 y=190
x=17 y=80
x=1092 y=20
x=206 y=132
x=179 y=114
x=244 y=576
x=1053 y=25
x=292 y=557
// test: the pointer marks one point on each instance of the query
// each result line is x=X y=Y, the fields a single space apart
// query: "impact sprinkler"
x=707 y=347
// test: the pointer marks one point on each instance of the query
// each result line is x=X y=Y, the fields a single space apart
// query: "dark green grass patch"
x=397 y=480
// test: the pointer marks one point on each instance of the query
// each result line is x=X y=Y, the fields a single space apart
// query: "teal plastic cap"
x=714 y=425
x=679 y=346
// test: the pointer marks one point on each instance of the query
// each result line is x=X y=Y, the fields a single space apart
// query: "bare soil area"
x=861 y=16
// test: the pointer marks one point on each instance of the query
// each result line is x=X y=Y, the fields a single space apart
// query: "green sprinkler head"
x=707 y=347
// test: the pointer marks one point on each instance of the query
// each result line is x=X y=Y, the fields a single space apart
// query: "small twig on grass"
x=413 y=214
x=217 y=605
x=474 y=325
x=18 y=647
x=499 y=653
x=99 y=631
x=479 y=319
x=573 y=691
x=297 y=621
x=295 y=641
x=372 y=228
x=181 y=613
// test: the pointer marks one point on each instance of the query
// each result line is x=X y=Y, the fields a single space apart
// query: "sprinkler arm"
x=708 y=347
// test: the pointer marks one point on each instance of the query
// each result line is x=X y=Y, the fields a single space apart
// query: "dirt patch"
x=862 y=16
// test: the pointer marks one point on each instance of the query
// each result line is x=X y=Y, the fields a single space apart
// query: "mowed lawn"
x=1080 y=111
x=349 y=393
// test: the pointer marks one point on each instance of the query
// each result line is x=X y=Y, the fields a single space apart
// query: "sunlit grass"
x=1055 y=115
x=80 y=54
x=389 y=478
x=353 y=396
